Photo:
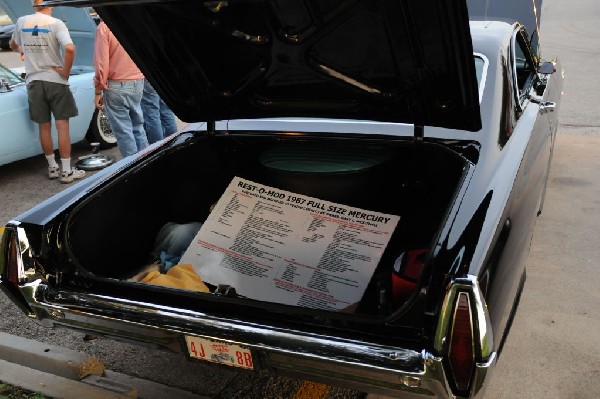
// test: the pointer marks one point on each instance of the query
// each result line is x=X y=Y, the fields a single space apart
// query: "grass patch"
x=8 y=391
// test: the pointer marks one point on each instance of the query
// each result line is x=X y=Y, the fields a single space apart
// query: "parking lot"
x=554 y=347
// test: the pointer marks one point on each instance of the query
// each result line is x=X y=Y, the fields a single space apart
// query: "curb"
x=52 y=385
x=63 y=373
x=48 y=358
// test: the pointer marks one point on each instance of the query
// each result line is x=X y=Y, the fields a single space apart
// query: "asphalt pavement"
x=553 y=351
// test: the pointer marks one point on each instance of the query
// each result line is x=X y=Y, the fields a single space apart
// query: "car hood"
x=7 y=29
x=80 y=24
x=384 y=60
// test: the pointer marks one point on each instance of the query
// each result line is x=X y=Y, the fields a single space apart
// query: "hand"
x=62 y=72
x=99 y=102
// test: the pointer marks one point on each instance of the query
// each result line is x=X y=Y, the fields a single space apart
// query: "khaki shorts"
x=47 y=98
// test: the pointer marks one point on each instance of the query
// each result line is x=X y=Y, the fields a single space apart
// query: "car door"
x=532 y=99
x=18 y=135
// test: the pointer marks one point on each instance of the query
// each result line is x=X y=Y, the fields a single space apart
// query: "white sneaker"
x=53 y=172
x=70 y=177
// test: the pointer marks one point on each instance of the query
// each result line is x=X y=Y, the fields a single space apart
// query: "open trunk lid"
x=383 y=60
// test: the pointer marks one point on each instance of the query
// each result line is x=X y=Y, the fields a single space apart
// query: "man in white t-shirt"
x=43 y=39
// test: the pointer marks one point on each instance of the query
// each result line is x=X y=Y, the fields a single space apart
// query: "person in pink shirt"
x=119 y=89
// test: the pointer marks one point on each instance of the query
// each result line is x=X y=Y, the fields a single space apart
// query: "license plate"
x=219 y=352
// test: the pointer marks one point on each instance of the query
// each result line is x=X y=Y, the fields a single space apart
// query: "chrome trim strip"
x=367 y=367
x=184 y=321
x=484 y=72
x=360 y=364
x=482 y=374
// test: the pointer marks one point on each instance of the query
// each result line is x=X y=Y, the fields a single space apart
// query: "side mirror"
x=546 y=68
x=5 y=86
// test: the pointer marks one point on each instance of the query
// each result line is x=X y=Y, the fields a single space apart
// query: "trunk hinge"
x=210 y=127
x=55 y=279
x=419 y=134
x=417 y=161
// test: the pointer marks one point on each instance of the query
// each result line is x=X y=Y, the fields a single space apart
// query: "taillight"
x=461 y=352
x=12 y=270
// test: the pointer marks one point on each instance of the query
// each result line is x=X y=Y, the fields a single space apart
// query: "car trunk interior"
x=111 y=235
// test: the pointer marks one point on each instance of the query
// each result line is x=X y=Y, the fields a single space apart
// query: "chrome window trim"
x=484 y=73
x=519 y=97
x=18 y=81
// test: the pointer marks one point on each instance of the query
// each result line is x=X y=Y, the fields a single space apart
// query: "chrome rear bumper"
x=363 y=366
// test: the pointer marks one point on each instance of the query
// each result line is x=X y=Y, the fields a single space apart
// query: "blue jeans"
x=122 y=103
x=159 y=120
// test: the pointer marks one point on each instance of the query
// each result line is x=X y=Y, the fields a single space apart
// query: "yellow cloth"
x=179 y=276
x=1 y=231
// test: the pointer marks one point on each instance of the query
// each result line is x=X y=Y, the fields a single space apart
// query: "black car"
x=6 y=32
x=352 y=201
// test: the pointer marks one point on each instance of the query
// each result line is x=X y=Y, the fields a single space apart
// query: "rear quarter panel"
x=522 y=172
x=490 y=234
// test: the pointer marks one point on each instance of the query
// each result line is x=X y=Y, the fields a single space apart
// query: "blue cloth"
x=168 y=261
x=122 y=105
x=159 y=120
x=171 y=242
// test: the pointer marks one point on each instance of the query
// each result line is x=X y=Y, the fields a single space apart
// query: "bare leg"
x=64 y=140
x=46 y=138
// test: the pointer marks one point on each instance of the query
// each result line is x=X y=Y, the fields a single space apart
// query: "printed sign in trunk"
x=278 y=246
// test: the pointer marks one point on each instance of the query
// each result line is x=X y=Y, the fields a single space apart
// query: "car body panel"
x=477 y=247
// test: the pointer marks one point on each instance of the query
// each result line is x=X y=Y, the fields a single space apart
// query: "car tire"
x=100 y=131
